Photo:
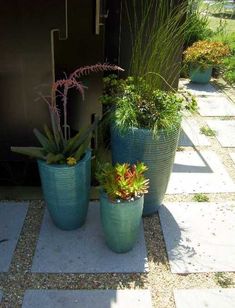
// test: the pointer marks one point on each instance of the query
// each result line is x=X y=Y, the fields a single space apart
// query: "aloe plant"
x=56 y=145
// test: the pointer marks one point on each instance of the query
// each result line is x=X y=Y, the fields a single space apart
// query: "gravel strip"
x=159 y=280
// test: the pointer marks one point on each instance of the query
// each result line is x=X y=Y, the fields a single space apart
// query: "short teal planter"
x=121 y=222
x=66 y=190
x=157 y=153
x=199 y=75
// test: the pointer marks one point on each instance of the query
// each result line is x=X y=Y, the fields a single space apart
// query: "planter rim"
x=123 y=203
x=147 y=130
x=195 y=67
x=65 y=166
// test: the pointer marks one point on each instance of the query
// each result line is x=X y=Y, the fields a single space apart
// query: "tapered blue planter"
x=157 y=153
x=121 y=222
x=199 y=75
x=66 y=190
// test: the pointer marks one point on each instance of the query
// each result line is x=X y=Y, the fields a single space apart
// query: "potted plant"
x=121 y=203
x=65 y=162
x=202 y=57
x=146 y=108
x=145 y=127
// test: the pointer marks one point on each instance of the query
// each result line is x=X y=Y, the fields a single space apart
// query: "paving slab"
x=199 y=89
x=12 y=217
x=199 y=172
x=205 y=298
x=232 y=155
x=213 y=106
x=84 y=250
x=87 y=299
x=199 y=236
x=190 y=134
x=225 y=131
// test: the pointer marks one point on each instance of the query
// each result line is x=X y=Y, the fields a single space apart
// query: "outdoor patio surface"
x=184 y=257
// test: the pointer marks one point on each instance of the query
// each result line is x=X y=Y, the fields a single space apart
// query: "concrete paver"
x=199 y=172
x=199 y=236
x=12 y=215
x=87 y=299
x=225 y=131
x=84 y=250
x=204 y=298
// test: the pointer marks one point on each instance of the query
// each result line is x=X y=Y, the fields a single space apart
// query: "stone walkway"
x=42 y=266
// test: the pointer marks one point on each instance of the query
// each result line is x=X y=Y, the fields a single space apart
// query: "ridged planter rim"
x=65 y=166
x=147 y=131
x=198 y=67
x=123 y=203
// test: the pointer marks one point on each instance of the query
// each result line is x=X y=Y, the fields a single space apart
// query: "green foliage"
x=198 y=24
x=74 y=148
x=201 y=197
x=123 y=181
x=157 y=33
x=228 y=62
x=192 y=105
x=207 y=131
x=138 y=105
x=223 y=281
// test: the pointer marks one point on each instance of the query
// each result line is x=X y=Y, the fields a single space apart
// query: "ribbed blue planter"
x=66 y=190
x=157 y=153
x=121 y=222
x=199 y=75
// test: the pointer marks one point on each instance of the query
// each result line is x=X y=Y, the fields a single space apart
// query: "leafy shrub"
x=206 y=53
x=123 y=181
x=136 y=104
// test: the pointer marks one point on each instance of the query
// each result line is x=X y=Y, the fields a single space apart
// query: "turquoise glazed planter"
x=121 y=222
x=66 y=190
x=199 y=75
x=157 y=153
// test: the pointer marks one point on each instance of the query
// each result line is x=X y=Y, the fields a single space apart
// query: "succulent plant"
x=56 y=146
x=123 y=181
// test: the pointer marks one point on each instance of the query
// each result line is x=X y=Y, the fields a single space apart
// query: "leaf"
x=75 y=142
x=47 y=145
x=54 y=158
x=83 y=147
x=35 y=152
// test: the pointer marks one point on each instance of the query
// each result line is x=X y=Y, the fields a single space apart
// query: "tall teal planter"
x=121 y=222
x=199 y=75
x=66 y=190
x=157 y=153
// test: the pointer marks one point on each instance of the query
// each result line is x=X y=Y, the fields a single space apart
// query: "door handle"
x=98 y=15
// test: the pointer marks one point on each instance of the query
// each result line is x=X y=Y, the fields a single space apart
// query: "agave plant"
x=56 y=144
x=123 y=181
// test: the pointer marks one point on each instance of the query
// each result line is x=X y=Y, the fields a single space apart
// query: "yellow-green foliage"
x=206 y=53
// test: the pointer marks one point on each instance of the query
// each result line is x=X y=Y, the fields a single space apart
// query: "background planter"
x=121 y=222
x=66 y=190
x=157 y=153
x=199 y=75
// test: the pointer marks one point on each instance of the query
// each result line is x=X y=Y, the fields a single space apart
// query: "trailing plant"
x=136 y=105
x=204 y=54
x=123 y=181
x=56 y=144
